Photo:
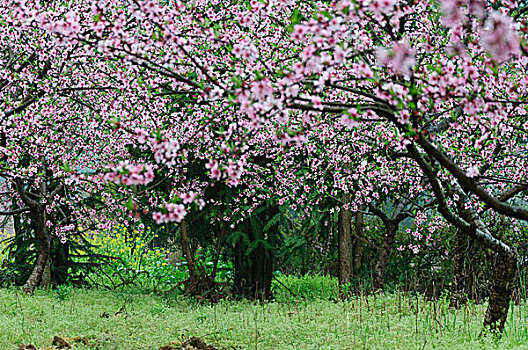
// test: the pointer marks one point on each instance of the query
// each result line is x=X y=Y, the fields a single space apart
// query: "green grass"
x=150 y=321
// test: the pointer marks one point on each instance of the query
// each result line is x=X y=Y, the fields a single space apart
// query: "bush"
x=4 y=253
x=132 y=260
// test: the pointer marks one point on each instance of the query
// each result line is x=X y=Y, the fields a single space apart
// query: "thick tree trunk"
x=358 y=241
x=253 y=273
x=254 y=270
x=504 y=281
x=60 y=261
x=189 y=259
x=383 y=257
x=458 y=290
x=344 y=247
x=45 y=281
x=38 y=222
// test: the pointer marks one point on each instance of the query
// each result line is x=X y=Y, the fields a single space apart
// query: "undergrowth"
x=305 y=315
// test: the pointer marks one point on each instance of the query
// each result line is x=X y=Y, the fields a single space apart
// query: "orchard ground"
x=315 y=319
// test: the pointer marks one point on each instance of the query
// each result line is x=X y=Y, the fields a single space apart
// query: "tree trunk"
x=38 y=222
x=504 y=281
x=358 y=241
x=189 y=258
x=458 y=290
x=45 y=281
x=383 y=257
x=60 y=261
x=254 y=269
x=253 y=273
x=344 y=247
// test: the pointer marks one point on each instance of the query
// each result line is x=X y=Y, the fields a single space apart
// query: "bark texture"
x=192 y=286
x=38 y=223
x=504 y=281
x=358 y=241
x=391 y=223
x=254 y=257
x=344 y=247
x=253 y=273
x=458 y=295
x=463 y=282
x=378 y=281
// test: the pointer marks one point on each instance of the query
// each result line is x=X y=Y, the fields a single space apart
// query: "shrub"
x=133 y=261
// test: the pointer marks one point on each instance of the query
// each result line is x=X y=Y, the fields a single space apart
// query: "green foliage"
x=133 y=262
x=19 y=252
x=18 y=255
x=61 y=293
x=261 y=228
x=205 y=258
x=309 y=245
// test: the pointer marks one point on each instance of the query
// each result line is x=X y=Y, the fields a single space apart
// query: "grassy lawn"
x=118 y=320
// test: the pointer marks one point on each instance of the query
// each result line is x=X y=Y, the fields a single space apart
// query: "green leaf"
x=66 y=168
x=130 y=204
x=295 y=17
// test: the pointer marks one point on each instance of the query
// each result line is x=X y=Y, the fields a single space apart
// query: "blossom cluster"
x=171 y=212
x=130 y=174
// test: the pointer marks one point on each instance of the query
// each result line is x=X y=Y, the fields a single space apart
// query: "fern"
x=274 y=221
x=237 y=237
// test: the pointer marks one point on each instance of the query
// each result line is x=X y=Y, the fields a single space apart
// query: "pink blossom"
x=292 y=91
x=317 y=102
x=500 y=38
x=472 y=171
x=130 y=174
x=142 y=135
x=339 y=55
x=216 y=173
x=158 y=217
x=299 y=31
x=188 y=197
x=382 y=6
x=455 y=12
x=211 y=163
x=349 y=120
x=400 y=57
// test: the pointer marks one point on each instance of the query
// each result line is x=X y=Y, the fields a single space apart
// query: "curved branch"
x=469 y=185
x=23 y=195
x=16 y=211
x=437 y=189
